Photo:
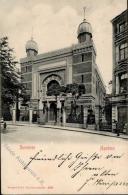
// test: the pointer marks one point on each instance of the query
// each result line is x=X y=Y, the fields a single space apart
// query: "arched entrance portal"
x=53 y=90
x=51 y=87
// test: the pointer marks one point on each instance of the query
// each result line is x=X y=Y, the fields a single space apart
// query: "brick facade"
x=75 y=64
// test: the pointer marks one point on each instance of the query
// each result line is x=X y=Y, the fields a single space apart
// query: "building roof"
x=118 y=16
x=47 y=55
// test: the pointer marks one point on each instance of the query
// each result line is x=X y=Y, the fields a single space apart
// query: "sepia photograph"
x=64 y=96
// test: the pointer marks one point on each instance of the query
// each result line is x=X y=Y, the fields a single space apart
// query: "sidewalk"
x=104 y=133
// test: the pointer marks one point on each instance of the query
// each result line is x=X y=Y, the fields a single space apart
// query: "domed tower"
x=84 y=57
x=84 y=32
x=31 y=48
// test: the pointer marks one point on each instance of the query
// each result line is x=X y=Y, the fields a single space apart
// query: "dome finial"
x=84 y=8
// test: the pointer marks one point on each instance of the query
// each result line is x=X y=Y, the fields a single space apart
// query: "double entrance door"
x=53 y=112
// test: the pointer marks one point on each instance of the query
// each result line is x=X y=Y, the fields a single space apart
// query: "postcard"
x=64 y=97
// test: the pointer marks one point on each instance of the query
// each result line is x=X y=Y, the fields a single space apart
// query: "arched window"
x=53 y=88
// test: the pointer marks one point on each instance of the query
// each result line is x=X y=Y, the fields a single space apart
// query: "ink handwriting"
x=86 y=166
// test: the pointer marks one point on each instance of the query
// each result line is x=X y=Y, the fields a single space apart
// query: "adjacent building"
x=74 y=64
x=120 y=70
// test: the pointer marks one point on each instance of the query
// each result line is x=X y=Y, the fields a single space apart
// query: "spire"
x=31 y=46
x=84 y=8
x=32 y=34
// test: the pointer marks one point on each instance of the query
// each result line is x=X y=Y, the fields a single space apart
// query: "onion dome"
x=31 y=45
x=84 y=27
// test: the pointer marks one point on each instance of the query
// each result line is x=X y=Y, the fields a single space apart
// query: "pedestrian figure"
x=100 y=124
x=115 y=126
x=118 y=128
x=5 y=125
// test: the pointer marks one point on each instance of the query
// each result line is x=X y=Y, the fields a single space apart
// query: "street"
x=37 y=134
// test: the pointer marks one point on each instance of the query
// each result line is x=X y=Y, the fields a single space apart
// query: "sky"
x=55 y=23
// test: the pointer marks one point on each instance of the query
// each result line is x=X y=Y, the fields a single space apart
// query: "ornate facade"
x=74 y=64
x=120 y=69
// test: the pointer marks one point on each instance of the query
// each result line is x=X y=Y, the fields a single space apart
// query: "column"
x=35 y=87
x=85 y=116
x=117 y=84
x=44 y=92
x=30 y=115
x=41 y=114
x=64 y=117
x=58 y=110
x=40 y=110
x=58 y=116
x=19 y=104
x=14 y=115
x=48 y=106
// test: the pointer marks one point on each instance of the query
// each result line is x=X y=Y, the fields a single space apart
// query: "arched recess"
x=53 y=84
x=50 y=78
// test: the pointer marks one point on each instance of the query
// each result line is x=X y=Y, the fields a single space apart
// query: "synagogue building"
x=74 y=64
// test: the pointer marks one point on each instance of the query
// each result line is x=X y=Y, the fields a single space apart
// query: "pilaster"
x=69 y=70
x=117 y=85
